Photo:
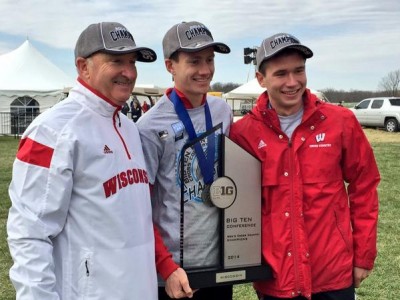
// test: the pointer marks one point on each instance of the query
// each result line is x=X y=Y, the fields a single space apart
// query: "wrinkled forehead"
x=112 y=56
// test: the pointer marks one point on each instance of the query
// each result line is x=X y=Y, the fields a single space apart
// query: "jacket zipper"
x=293 y=216
x=120 y=136
x=87 y=268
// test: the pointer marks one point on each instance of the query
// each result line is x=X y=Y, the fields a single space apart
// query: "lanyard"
x=206 y=163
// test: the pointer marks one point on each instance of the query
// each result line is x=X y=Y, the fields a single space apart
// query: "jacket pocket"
x=344 y=231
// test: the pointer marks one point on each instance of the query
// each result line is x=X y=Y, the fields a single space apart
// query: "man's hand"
x=359 y=275
x=177 y=285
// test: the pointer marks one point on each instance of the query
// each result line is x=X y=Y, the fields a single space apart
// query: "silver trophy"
x=220 y=228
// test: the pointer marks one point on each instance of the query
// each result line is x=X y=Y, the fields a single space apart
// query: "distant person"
x=340 y=103
x=178 y=117
x=125 y=109
x=80 y=223
x=136 y=110
x=145 y=106
x=319 y=182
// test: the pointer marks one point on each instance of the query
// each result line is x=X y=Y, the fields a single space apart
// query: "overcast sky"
x=355 y=42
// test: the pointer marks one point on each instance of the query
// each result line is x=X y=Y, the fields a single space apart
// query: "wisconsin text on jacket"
x=121 y=180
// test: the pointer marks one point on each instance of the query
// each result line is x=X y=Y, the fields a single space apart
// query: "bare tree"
x=390 y=83
x=224 y=87
x=351 y=96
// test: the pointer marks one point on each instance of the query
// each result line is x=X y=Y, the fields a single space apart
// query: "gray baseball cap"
x=113 y=38
x=190 y=37
x=276 y=43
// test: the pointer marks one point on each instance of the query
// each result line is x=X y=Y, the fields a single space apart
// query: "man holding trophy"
x=186 y=225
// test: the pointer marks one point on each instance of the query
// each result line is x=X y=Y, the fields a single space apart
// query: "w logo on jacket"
x=320 y=137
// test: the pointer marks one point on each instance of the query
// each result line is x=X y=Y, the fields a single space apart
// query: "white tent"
x=25 y=72
x=248 y=91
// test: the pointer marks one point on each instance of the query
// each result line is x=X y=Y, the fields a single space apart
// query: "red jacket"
x=314 y=230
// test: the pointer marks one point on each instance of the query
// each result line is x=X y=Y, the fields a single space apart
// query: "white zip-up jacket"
x=80 y=225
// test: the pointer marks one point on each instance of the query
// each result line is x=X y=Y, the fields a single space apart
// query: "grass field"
x=384 y=282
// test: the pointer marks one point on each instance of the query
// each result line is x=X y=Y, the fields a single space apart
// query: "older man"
x=80 y=223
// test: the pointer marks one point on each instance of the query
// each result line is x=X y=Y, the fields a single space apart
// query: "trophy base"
x=216 y=277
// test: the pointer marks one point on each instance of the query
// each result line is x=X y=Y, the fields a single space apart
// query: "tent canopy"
x=247 y=91
x=26 y=69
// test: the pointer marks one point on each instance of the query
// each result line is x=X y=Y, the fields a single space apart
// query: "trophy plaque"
x=227 y=249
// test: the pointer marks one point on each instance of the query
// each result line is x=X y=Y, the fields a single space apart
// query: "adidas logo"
x=107 y=150
x=261 y=144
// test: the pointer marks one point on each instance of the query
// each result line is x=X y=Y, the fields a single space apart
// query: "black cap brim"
x=144 y=54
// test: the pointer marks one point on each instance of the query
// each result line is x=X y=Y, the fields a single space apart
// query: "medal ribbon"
x=206 y=163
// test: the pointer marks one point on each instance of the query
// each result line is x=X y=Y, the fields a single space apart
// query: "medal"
x=206 y=163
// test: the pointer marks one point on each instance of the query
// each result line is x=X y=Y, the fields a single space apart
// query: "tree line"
x=387 y=87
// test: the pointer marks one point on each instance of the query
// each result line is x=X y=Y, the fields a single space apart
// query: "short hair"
x=175 y=56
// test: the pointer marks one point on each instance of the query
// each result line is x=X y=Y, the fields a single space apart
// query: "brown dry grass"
x=381 y=136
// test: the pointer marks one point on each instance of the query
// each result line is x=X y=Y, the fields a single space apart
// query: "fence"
x=15 y=123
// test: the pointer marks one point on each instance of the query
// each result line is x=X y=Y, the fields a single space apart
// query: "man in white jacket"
x=80 y=222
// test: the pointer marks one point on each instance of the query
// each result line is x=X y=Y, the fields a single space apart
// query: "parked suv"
x=379 y=112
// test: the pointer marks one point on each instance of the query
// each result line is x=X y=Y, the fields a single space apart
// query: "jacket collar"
x=186 y=102
x=264 y=111
x=94 y=99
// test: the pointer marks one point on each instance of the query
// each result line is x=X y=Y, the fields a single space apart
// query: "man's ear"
x=169 y=65
x=82 y=67
x=260 y=78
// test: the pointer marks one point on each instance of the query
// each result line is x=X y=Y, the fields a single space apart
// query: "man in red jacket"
x=319 y=236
